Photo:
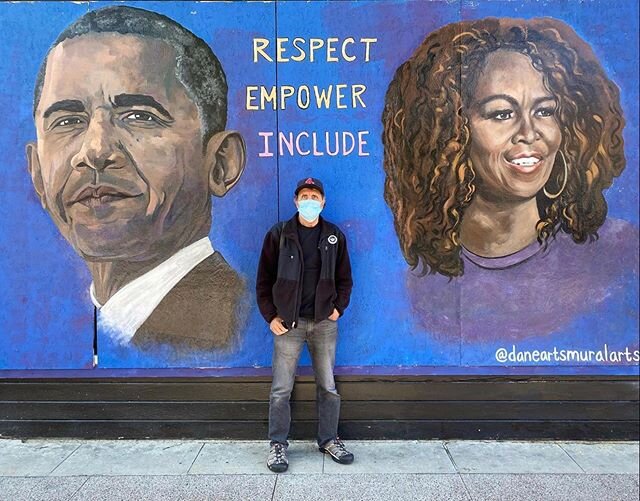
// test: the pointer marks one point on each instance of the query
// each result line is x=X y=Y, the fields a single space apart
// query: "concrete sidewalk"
x=383 y=470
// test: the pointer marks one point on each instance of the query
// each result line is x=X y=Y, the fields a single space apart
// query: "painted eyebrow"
x=124 y=100
x=543 y=99
x=72 y=105
x=511 y=100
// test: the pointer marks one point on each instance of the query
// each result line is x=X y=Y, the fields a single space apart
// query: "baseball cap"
x=309 y=182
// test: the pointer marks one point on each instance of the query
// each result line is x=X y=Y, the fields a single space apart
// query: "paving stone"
x=131 y=457
x=39 y=488
x=17 y=488
x=178 y=488
x=374 y=487
x=305 y=458
x=33 y=457
x=237 y=457
x=390 y=456
x=510 y=457
x=605 y=457
x=551 y=487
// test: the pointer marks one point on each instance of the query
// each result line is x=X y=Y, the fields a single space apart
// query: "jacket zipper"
x=322 y=264
x=296 y=311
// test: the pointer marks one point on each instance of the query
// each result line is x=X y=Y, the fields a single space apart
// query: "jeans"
x=321 y=341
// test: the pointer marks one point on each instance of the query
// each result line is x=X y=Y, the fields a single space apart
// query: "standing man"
x=303 y=287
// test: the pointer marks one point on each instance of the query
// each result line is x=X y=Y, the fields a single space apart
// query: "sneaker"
x=277 y=461
x=338 y=452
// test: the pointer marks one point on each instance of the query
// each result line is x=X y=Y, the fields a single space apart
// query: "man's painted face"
x=119 y=149
x=514 y=133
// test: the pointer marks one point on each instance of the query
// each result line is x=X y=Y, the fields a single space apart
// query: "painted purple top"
x=536 y=291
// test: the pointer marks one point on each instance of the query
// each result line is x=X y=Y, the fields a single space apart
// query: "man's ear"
x=226 y=156
x=33 y=164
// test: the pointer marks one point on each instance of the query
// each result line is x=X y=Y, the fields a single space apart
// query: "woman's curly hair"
x=429 y=176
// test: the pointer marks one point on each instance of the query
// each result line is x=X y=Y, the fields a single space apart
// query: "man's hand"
x=277 y=327
x=335 y=315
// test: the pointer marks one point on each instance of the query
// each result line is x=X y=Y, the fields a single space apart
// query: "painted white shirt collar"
x=125 y=311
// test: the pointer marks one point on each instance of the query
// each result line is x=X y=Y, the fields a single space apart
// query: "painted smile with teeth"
x=525 y=163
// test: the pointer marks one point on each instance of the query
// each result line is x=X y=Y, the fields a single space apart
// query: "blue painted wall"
x=46 y=316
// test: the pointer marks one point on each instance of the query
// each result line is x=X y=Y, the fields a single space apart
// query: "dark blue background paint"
x=46 y=318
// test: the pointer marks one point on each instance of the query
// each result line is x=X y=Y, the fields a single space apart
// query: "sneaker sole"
x=349 y=461
x=278 y=469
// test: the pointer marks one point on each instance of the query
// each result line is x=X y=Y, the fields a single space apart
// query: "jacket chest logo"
x=333 y=239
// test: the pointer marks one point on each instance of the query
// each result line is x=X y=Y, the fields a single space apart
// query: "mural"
x=500 y=137
x=492 y=214
x=125 y=163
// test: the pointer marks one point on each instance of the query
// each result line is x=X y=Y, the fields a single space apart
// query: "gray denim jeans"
x=321 y=341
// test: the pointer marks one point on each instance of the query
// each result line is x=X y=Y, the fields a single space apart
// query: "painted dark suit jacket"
x=201 y=312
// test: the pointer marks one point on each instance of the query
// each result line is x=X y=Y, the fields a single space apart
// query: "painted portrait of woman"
x=501 y=138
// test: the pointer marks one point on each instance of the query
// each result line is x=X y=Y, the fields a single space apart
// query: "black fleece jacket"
x=279 y=280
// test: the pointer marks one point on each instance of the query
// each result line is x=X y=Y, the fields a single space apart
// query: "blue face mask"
x=309 y=209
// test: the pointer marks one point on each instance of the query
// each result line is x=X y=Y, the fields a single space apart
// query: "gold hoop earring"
x=564 y=182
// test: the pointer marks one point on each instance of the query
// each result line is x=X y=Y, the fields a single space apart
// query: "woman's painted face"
x=514 y=133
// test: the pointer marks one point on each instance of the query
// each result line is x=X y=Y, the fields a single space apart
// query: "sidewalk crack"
x=465 y=486
x=79 y=488
x=67 y=457
x=446 y=449
x=195 y=458
x=275 y=484
x=572 y=459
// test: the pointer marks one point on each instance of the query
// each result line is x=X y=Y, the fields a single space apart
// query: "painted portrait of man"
x=130 y=110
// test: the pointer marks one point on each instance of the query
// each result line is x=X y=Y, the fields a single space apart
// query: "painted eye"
x=545 y=112
x=141 y=117
x=68 y=122
x=501 y=115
